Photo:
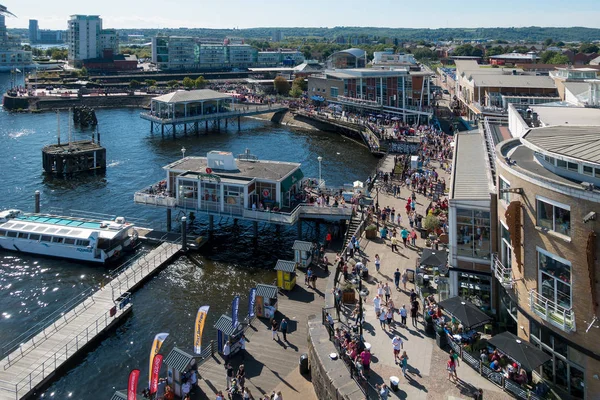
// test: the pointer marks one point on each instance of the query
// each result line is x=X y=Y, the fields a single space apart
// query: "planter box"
x=349 y=297
x=371 y=234
x=441 y=340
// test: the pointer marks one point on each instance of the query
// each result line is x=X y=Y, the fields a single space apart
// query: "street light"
x=320 y=159
x=183 y=152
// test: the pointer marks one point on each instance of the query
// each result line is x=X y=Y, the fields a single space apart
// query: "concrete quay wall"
x=330 y=378
x=53 y=103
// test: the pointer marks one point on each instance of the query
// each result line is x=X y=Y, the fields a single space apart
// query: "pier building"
x=242 y=187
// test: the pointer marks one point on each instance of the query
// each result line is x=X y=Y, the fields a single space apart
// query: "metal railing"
x=253 y=109
x=496 y=377
x=502 y=273
x=550 y=311
x=50 y=364
x=154 y=199
x=48 y=325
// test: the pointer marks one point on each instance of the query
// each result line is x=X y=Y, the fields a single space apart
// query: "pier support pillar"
x=168 y=220
x=196 y=127
x=151 y=127
x=174 y=130
x=162 y=129
x=226 y=120
x=318 y=231
x=219 y=125
x=278 y=229
x=185 y=129
x=211 y=223
x=206 y=126
x=235 y=222
x=255 y=228
x=299 y=227
x=184 y=233
x=36 y=208
x=239 y=123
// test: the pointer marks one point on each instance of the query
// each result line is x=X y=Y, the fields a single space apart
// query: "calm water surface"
x=32 y=288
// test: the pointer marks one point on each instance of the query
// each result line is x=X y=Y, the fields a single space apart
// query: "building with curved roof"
x=349 y=58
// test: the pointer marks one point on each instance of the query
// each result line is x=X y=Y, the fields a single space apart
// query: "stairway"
x=352 y=227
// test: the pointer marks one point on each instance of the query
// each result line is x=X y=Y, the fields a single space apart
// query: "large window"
x=473 y=233
x=476 y=288
x=554 y=216
x=504 y=185
x=554 y=278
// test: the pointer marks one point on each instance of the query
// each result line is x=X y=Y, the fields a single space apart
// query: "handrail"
x=552 y=312
x=502 y=273
x=56 y=358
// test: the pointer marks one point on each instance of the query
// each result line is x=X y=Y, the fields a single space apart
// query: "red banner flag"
x=132 y=385
x=156 y=363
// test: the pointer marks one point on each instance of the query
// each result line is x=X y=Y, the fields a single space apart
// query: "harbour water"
x=32 y=288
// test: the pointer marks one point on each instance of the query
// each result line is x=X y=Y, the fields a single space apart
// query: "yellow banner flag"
x=200 y=320
x=156 y=345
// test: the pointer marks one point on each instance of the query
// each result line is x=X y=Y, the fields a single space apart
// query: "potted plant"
x=441 y=338
x=429 y=324
x=371 y=231
x=431 y=223
x=348 y=293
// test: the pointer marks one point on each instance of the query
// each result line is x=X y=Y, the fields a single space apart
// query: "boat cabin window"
x=57 y=239
x=34 y=236
x=46 y=238
x=2 y=232
x=23 y=235
x=11 y=234
x=69 y=241
x=84 y=243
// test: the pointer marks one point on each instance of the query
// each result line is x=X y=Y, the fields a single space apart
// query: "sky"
x=308 y=13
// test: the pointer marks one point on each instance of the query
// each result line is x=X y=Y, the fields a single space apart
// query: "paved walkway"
x=427 y=363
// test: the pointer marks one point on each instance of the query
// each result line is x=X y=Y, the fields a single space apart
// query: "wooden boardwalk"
x=268 y=362
x=36 y=360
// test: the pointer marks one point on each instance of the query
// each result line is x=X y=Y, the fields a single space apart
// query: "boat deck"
x=33 y=362
x=45 y=219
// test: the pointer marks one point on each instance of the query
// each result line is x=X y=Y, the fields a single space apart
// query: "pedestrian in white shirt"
x=397 y=345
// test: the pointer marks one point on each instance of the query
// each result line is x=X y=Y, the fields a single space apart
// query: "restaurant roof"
x=513 y=81
x=271 y=170
x=183 y=96
x=470 y=173
x=578 y=142
x=551 y=115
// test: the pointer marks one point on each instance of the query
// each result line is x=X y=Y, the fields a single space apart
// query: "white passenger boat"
x=66 y=237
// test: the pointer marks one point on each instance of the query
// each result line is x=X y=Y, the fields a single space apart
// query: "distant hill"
x=529 y=34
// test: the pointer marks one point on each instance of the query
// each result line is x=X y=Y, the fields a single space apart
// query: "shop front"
x=475 y=287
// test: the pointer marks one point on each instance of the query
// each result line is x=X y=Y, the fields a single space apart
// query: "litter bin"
x=304 y=364
x=394 y=381
x=365 y=274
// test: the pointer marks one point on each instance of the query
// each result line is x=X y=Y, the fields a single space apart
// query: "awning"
x=287 y=183
x=225 y=325
x=467 y=313
x=317 y=98
x=520 y=350
x=266 y=291
x=434 y=258
x=285 y=266
x=302 y=245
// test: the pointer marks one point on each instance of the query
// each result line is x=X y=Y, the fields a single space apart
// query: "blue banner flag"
x=235 y=306
x=251 y=302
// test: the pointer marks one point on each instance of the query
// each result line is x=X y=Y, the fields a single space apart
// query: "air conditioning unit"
x=587 y=186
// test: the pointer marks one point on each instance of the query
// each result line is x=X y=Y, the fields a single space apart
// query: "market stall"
x=266 y=300
x=227 y=332
x=179 y=363
x=286 y=274
x=303 y=252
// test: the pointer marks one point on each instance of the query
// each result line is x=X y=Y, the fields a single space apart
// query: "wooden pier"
x=74 y=157
x=269 y=362
x=29 y=365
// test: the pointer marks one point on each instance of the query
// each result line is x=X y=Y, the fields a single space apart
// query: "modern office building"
x=398 y=91
x=108 y=43
x=212 y=56
x=11 y=55
x=33 y=31
x=241 y=55
x=88 y=40
x=349 y=58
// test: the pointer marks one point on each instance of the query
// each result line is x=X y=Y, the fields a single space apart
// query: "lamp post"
x=360 y=304
x=183 y=149
x=320 y=159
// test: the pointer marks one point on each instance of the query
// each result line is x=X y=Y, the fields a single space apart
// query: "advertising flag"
x=156 y=345
x=200 y=320
x=134 y=375
x=158 y=359
x=251 y=302
x=235 y=306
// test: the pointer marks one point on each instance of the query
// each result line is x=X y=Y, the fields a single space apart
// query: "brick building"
x=546 y=266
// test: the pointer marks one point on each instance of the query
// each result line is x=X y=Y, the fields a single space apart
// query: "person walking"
x=451 y=368
x=404 y=363
x=384 y=391
x=404 y=279
x=380 y=290
x=243 y=347
x=274 y=329
x=404 y=233
x=413 y=238
x=403 y=315
x=241 y=376
x=377 y=305
x=229 y=374
x=283 y=328
x=414 y=312
x=397 y=345
x=383 y=318
x=388 y=292
x=365 y=357
x=389 y=317
x=455 y=357
x=227 y=350
x=377 y=262
x=394 y=242
x=397 y=278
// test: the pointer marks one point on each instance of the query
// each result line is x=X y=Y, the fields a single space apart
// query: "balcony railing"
x=551 y=312
x=502 y=272
x=154 y=199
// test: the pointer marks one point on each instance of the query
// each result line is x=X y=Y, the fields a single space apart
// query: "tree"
x=281 y=85
x=300 y=82
x=134 y=84
x=588 y=48
x=494 y=51
x=83 y=71
x=173 y=83
x=431 y=223
x=467 y=50
x=150 y=82
x=559 y=59
x=188 y=82
x=200 y=82
x=57 y=54
x=424 y=53
x=296 y=91
x=548 y=42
